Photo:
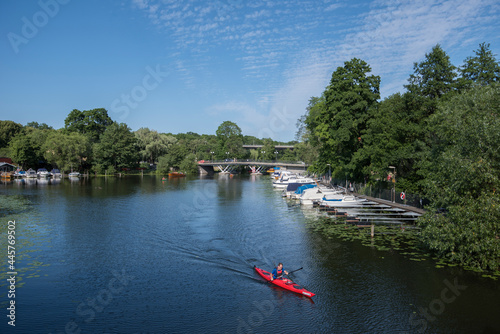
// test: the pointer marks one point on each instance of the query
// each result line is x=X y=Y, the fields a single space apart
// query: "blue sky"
x=188 y=65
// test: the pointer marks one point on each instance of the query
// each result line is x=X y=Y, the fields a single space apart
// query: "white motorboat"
x=341 y=200
x=74 y=174
x=294 y=190
x=42 y=173
x=312 y=195
x=284 y=179
x=31 y=173
x=20 y=174
x=297 y=181
x=55 y=172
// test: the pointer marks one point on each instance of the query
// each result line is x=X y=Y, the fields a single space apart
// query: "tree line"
x=441 y=136
x=91 y=141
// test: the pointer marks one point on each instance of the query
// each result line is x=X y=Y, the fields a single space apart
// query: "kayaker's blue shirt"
x=275 y=273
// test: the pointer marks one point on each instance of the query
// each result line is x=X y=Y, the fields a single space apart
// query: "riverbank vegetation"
x=92 y=142
x=441 y=136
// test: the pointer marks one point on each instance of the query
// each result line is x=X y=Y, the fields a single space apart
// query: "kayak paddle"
x=295 y=270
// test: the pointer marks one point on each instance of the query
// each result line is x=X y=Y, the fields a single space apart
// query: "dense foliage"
x=442 y=136
x=466 y=179
x=92 y=141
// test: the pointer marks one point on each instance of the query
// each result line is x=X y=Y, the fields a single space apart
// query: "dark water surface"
x=138 y=255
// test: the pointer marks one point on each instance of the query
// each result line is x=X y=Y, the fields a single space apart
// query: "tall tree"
x=66 y=151
x=482 y=69
x=8 y=130
x=394 y=137
x=173 y=159
x=339 y=125
x=267 y=150
x=22 y=151
x=230 y=140
x=308 y=122
x=117 y=148
x=434 y=77
x=91 y=123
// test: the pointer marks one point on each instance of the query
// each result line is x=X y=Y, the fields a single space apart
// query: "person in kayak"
x=277 y=272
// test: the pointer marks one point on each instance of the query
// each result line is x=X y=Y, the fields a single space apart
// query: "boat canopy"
x=301 y=189
x=293 y=186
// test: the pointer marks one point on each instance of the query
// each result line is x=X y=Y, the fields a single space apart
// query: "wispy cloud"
x=289 y=49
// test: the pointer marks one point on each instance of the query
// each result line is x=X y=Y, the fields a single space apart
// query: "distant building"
x=7 y=160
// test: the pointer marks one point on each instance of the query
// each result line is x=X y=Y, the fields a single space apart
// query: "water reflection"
x=191 y=243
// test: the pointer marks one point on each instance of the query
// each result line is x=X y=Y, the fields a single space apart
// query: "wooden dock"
x=394 y=205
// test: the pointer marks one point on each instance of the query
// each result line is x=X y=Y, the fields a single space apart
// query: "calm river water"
x=141 y=255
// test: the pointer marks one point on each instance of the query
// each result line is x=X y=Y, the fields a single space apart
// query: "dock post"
x=373 y=230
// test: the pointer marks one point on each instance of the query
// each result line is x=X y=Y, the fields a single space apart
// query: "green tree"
x=307 y=147
x=394 y=137
x=91 y=123
x=117 y=148
x=254 y=155
x=434 y=77
x=8 y=130
x=163 y=166
x=463 y=178
x=229 y=141
x=308 y=122
x=153 y=144
x=288 y=155
x=39 y=126
x=339 y=125
x=482 y=69
x=188 y=164
x=306 y=152
x=266 y=152
x=202 y=147
x=174 y=158
x=26 y=147
x=22 y=151
x=66 y=151
x=251 y=140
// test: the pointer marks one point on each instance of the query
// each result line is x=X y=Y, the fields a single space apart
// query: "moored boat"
x=42 y=173
x=311 y=195
x=341 y=200
x=55 y=172
x=176 y=174
x=31 y=173
x=293 y=188
x=7 y=175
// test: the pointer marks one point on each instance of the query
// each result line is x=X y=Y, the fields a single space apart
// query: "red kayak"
x=285 y=283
